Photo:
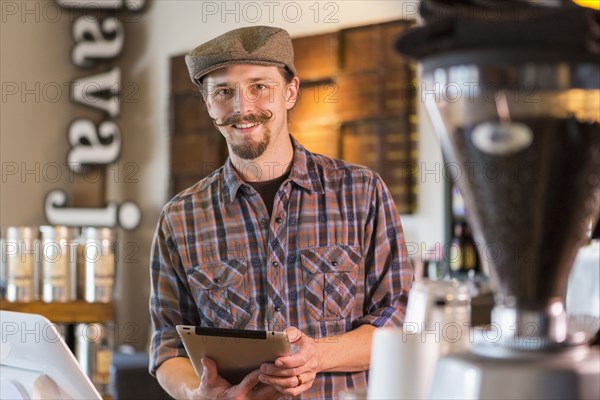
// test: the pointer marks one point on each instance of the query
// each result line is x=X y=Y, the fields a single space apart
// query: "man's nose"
x=243 y=101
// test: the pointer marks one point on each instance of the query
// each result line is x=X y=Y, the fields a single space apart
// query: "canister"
x=21 y=252
x=59 y=263
x=97 y=264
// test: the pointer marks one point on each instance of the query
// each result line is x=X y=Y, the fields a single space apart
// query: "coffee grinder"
x=512 y=89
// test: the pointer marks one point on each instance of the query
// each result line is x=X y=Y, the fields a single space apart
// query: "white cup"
x=402 y=364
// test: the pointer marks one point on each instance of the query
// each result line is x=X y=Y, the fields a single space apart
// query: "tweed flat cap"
x=262 y=45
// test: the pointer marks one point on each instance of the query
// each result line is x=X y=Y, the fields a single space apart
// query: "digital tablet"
x=236 y=352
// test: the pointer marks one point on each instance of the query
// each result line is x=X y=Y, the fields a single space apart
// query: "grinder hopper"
x=519 y=112
x=513 y=91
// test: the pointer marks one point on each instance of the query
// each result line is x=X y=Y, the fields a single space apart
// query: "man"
x=277 y=238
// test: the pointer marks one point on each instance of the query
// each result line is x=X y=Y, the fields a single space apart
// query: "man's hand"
x=213 y=386
x=294 y=374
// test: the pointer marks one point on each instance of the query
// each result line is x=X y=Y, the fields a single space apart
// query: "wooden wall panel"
x=376 y=95
x=371 y=48
x=319 y=139
x=89 y=187
x=397 y=93
x=180 y=182
x=361 y=49
x=316 y=56
x=384 y=146
x=180 y=78
x=189 y=114
x=360 y=96
x=317 y=104
x=389 y=34
x=197 y=147
x=195 y=153
x=361 y=145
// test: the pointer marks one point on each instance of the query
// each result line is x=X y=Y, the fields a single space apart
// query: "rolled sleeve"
x=389 y=273
x=170 y=301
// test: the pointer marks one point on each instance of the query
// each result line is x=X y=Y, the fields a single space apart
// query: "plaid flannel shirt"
x=330 y=258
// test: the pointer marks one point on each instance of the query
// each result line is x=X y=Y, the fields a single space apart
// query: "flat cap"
x=262 y=45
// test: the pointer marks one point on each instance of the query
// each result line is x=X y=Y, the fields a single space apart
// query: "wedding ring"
x=299 y=380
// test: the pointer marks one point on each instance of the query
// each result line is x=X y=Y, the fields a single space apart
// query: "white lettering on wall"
x=89 y=146
x=133 y=5
x=127 y=215
x=95 y=40
x=91 y=90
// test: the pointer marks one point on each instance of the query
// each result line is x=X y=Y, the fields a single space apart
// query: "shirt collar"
x=231 y=181
x=303 y=172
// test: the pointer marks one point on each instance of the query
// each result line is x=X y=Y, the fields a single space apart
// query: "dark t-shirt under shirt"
x=268 y=189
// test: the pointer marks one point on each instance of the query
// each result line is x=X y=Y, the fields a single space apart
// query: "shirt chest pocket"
x=221 y=292
x=329 y=275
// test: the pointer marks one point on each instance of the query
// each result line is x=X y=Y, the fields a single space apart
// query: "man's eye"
x=224 y=92
x=260 y=86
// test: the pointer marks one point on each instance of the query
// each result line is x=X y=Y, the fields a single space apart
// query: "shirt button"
x=334 y=263
x=217 y=280
x=277 y=308
x=278 y=220
x=275 y=264
x=263 y=221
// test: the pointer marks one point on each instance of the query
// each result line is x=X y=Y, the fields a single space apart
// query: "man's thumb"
x=294 y=334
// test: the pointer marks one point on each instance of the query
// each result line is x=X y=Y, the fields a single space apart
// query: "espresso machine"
x=512 y=89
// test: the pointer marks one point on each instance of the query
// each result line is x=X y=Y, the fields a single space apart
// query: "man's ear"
x=291 y=92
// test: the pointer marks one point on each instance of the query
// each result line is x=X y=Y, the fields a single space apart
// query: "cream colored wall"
x=36 y=132
x=34 y=109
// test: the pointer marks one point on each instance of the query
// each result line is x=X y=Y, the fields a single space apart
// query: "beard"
x=250 y=149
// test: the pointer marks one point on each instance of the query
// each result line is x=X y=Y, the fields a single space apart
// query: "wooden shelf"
x=64 y=313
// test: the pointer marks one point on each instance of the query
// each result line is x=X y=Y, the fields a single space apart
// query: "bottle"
x=93 y=350
x=458 y=203
x=463 y=254
x=456 y=260
x=470 y=250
